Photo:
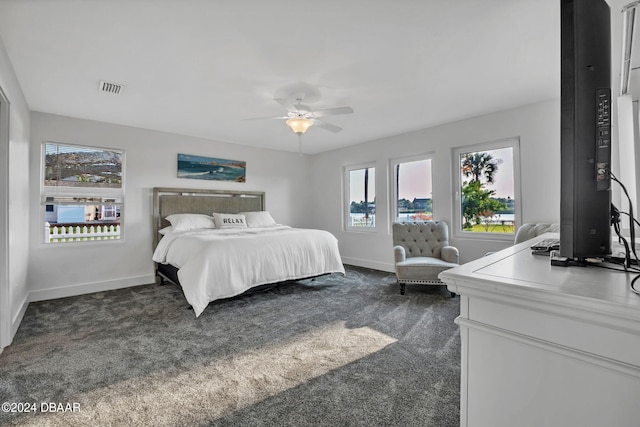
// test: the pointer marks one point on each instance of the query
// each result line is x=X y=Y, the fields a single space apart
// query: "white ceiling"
x=198 y=67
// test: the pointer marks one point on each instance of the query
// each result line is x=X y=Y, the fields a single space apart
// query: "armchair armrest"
x=399 y=254
x=450 y=254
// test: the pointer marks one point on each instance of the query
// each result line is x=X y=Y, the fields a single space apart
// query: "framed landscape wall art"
x=211 y=168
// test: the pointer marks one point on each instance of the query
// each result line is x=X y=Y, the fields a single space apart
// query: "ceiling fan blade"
x=327 y=126
x=266 y=118
x=286 y=104
x=299 y=107
x=333 y=111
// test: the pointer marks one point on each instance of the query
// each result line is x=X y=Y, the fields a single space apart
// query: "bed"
x=219 y=244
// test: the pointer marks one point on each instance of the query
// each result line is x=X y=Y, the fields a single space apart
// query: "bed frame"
x=167 y=201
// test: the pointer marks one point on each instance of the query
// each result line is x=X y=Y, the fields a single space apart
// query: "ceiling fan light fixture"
x=299 y=125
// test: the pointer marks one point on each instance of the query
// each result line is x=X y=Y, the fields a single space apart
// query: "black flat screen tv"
x=585 y=153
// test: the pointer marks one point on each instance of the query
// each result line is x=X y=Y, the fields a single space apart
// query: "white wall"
x=537 y=126
x=151 y=158
x=14 y=175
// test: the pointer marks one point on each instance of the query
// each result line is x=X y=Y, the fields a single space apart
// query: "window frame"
x=347 y=196
x=48 y=195
x=458 y=232
x=393 y=191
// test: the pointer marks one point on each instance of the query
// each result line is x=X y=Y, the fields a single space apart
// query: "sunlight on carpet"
x=219 y=387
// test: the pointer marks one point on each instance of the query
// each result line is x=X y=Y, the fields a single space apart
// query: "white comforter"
x=221 y=263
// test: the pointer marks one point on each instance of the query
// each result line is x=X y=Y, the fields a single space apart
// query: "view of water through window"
x=413 y=188
x=487 y=191
x=362 y=197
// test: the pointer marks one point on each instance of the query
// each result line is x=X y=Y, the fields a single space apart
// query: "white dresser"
x=544 y=345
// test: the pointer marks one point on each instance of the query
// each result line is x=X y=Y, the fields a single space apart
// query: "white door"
x=5 y=311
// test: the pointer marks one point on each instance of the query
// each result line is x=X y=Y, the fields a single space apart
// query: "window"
x=488 y=196
x=412 y=190
x=360 y=191
x=82 y=193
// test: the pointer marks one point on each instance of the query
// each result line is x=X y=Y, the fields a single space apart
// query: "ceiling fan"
x=300 y=117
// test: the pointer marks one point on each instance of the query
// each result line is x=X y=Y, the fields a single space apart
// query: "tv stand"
x=546 y=346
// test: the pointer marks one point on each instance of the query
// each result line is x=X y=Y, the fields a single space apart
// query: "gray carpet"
x=337 y=351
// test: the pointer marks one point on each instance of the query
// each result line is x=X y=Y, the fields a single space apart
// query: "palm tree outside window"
x=488 y=182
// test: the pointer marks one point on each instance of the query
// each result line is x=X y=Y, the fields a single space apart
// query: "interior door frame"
x=5 y=294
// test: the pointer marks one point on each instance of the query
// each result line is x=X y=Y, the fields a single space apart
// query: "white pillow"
x=166 y=230
x=229 y=220
x=259 y=219
x=185 y=222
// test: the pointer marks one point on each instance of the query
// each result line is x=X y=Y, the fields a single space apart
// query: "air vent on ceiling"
x=111 y=87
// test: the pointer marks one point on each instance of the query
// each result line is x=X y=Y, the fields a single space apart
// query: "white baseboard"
x=374 y=265
x=87 y=288
x=17 y=319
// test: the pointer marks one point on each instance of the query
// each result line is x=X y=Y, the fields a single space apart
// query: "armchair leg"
x=401 y=288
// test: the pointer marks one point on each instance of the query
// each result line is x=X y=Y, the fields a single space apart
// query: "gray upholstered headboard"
x=167 y=201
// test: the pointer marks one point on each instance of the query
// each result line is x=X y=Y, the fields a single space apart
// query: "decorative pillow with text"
x=229 y=220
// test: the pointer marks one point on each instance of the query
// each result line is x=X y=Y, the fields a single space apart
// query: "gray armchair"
x=530 y=230
x=421 y=252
